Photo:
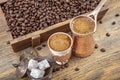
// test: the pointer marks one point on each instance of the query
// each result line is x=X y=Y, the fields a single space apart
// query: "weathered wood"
x=3 y=22
x=98 y=66
x=35 y=40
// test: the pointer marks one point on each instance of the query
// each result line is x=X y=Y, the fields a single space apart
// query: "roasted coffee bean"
x=39 y=48
x=15 y=65
x=8 y=42
x=96 y=46
x=66 y=65
x=117 y=15
x=100 y=22
x=43 y=45
x=102 y=50
x=108 y=34
x=113 y=23
x=54 y=70
x=39 y=14
x=58 y=69
x=65 y=79
x=77 y=69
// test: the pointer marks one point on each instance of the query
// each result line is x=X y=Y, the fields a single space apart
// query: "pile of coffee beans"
x=27 y=16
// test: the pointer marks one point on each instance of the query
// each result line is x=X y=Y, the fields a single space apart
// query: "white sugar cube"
x=36 y=73
x=32 y=64
x=44 y=64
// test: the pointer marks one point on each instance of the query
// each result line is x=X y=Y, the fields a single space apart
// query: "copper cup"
x=84 y=44
x=61 y=57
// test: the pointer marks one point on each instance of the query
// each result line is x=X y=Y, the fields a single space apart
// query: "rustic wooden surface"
x=98 y=66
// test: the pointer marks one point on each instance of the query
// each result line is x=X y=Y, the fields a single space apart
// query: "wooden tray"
x=35 y=38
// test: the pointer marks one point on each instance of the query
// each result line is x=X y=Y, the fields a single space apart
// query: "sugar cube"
x=36 y=73
x=32 y=64
x=44 y=64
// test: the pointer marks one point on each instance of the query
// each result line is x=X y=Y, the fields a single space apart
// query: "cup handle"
x=96 y=11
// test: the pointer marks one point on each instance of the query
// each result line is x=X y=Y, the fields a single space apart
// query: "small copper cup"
x=84 y=44
x=61 y=57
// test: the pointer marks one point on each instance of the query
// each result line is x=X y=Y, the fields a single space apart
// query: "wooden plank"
x=22 y=44
x=3 y=22
x=35 y=40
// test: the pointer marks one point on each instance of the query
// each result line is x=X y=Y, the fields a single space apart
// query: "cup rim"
x=71 y=26
x=60 y=33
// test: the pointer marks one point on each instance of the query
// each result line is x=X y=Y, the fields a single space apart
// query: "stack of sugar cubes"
x=37 y=69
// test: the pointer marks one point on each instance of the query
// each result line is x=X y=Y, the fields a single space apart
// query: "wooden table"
x=98 y=66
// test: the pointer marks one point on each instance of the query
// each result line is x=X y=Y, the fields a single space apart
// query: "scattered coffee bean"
x=54 y=70
x=43 y=45
x=102 y=50
x=96 y=46
x=58 y=69
x=108 y=34
x=8 y=42
x=77 y=69
x=117 y=15
x=15 y=65
x=65 y=79
x=39 y=48
x=66 y=65
x=100 y=22
x=24 y=16
x=113 y=23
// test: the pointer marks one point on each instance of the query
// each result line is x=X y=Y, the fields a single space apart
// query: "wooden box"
x=35 y=38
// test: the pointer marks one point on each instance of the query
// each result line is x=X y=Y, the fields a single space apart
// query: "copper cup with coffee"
x=83 y=28
x=60 y=45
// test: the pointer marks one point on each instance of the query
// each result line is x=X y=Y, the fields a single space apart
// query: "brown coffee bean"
x=102 y=50
x=77 y=69
x=15 y=65
x=108 y=34
x=66 y=65
x=58 y=69
x=117 y=15
x=65 y=78
x=54 y=70
x=39 y=48
x=8 y=42
x=100 y=22
x=113 y=23
x=96 y=46
x=43 y=45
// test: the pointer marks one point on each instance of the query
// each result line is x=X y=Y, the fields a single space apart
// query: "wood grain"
x=98 y=66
